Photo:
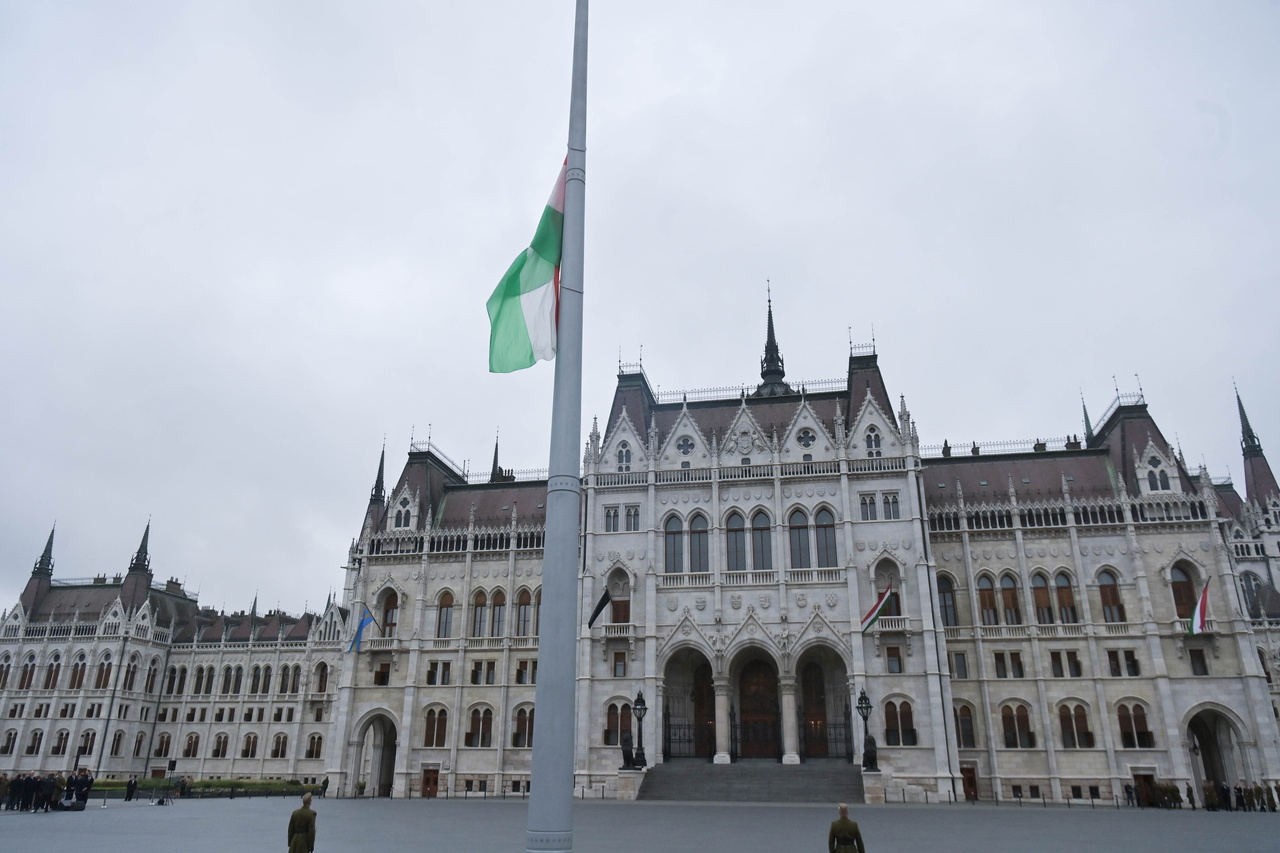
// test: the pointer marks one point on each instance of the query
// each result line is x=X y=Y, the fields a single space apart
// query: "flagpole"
x=550 y=821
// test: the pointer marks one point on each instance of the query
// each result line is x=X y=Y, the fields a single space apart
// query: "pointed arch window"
x=117 y=744
x=947 y=602
x=280 y=746
x=1134 y=733
x=624 y=456
x=250 y=748
x=524 y=613
x=1009 y=598
x=673 y=537
x=522 y=733
x=52 y=671
x=1249 y=585
x=237 y=680
x=103 y=679
x=799 y=534
x=199 y=687
x=498 y=624
x=1016 y=723
x=220 y=744
x=322 y=678
x=964 y=727
x=899 y=726
x=1066 y=599
x=537 y=611
x=1109 y=592
x=163 y=743
x=987 y=601
x=315 y=747
x=444 y=616
x=255 y=681
x=479 y=613
x=1074 y=722
x=192 y=747
x=139 y=744
x=480 y=734
x=735 y=543
x=149 y=687
x=1040 y=596
x=437 y=727
x=266 y=678
x=699 y=545
x=81 y=665
x=1184 y=593
x=873 y=442
x=390 y=613
x=761 y=542
x=824 y=526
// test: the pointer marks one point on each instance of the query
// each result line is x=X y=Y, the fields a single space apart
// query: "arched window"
x=1152 y=483
x=196 y=691
x=524 y=613
x=295 y=683
x=255 y=681
x=237 y=680
x=182 y=680
x=103 y=679
x=280 y=746
x=1040 y=595
x=1066 y=599
x=761 y=542
x=153 y=672
x=479 y=613
x=1009 y=597
x=1249 y=585
x=437 y=727
x=537 y=611
x=611 y=726
x=947 y=602
x=266 y=678
x=163 y=743
x=226 y=681
x=219 y=746
x=735 y=543
x=1074 y=722
x=399 y=519
x=699 y=547
x=250 y=748
x=799 y=534
x=60 y=741
x=390 y=613
x=1134 y=733
x=139 y=743
x=1184 y=593
x=78 y=670
x=1109 y=591
x=117 y=744
x=674 y=539
x=5 y=666
x=481 y=732
x=284 y=679
x=1016 y=723
x=52 y=671
x=170 y=680
x=624 y=456
x=987 y=601
x=10 y=742
x=824 y=524
x=87 y=740
x=964 y=727
x=444 y=616
x=33 y=745
x=28 y=675
x=192 y=747
x=1164 y=480
x=873 y=442
x=522 y=734
x=315 y=747
x=498 y=623
x=322 y=678
x=899 y=727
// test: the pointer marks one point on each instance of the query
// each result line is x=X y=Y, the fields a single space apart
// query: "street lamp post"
x=868 y=742
x=639 y=709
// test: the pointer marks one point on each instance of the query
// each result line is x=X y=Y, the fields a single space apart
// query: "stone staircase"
x=828 y=780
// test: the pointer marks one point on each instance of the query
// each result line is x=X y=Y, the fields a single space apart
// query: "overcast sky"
x=242 y=242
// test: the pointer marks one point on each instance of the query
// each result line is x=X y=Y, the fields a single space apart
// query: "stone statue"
x=628 y=757
x=869 y=754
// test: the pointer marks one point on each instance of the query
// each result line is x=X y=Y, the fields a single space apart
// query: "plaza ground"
x=453 y=826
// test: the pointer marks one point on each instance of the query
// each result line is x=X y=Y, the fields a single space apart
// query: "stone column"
x=790 y=730
x=722 y=691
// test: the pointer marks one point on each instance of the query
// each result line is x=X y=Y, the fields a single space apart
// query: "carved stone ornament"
x=700 y=602
x=687 y=629
x=802 y=600
x=831 y=599
x=735 y=601
x=671 y=604
x=765 y=601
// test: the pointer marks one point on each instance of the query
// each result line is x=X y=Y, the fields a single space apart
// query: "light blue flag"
x=365 y=622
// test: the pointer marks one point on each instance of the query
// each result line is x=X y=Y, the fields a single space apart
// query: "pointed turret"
x=1088 y=427
x=772 y=370
x=142 y=560
x=496 y=474
x=44 y=565
x=378 y=493
x=1259 y=482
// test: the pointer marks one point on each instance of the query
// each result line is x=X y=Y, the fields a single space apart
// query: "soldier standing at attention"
x=845 y=837
x=302 y=828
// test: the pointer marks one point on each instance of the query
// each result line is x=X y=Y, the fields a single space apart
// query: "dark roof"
x=986 y=478
x=1229 y=502
x=493 y=504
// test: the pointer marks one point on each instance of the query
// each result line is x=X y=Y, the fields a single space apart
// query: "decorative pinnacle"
x=142 y=560
x=1088 y=427
x=1248 y=439
x=44 y=565
x=378 y=494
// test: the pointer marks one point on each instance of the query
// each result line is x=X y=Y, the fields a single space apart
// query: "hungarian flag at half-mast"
x=524 y=308
x=1199 y=623
x=876 y=609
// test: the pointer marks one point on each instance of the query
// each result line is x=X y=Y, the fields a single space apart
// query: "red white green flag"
x=877 y=609
x=524 y=309
x=1199 y=623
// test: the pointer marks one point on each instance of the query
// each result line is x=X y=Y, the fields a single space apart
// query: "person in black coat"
x=130 y=788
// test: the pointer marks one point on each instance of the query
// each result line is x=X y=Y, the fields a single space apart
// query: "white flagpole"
x=550 y=822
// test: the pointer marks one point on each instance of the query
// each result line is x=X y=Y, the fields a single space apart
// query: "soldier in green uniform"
x=302 y=828
x=845 y=837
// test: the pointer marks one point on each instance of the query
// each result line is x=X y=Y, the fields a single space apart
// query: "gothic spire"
x=44 y=565
x=1248 y=439
x=142 y=560
x=772 y=369
x=378 y=495
x=496 y=474
x=1088 y=427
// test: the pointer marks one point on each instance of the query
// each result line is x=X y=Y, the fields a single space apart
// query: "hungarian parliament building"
x=1063 y=617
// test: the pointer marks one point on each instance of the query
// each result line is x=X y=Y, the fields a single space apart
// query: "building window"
x=1109 y=590
x=162 y=746
x=522 y=735
x=899 y=727
x=965 y=739
x=479 y=613
x=1184 y=593
x=611 y=519
x=736 y=543
x=444 y=616
x=51 y=673
x=481 y=732
x=497 y=625
x=280 y=746
x=382 y=675
x=873 y=442
x=1199 y=666
x=867 y=504
x=799 y=535
x=959 y=665
x=1015 y=665
x=1040 y=597
x=947 y=602
x=1074 y=722
x=1009 y=597
x=10 y=742
x=1002 y=668
x=315 y=747
x=624 y=456
x=761 y=542
x=33 y=745
x=1055 y=664
x=633 y=518
x=1066 y=599
x=250 y=748
x=891 y=510
x=192 y=747
x=987 y=601
x=390 y=613
x=60 y=741
x=1016 y=723
x=619 y=664
x=617 y=720
x=824 y=525
x=806 y=437
x=674 y=539
x=893 y=659
x=1134 y=733
x=1073 y=665
x=524 y=613
x=117 y=744
x=699 y=546
x=322 y=678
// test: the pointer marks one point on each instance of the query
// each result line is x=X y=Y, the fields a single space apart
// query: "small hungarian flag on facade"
x=1199 y=623
x=882 y=603
x=524 y=308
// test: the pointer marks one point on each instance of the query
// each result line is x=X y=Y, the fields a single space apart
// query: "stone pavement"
x=454 y=826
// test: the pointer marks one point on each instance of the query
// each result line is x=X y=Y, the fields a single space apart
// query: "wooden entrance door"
x=758 y=692
x=813 y=698
x=430 y=783
x=969 y=777
x=704 y=712
x=1144 y=785
x=158 y=772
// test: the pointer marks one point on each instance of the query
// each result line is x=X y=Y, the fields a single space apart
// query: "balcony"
x=815 y=576
x=685 y=475
x=683 y=581
x=381 y=644
x=1118 y=629
x=750 y=578
x=1003 y=632
x=892 y=623
x=619 y=631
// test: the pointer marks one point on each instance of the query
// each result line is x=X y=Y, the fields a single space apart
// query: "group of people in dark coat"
x=1247 y=798
x=35 y=792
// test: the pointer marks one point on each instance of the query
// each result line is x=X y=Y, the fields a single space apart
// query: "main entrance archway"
x=688 y=707
x=824 y=705
x=376 y=757
x=759 y=716
x=1215 y=748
